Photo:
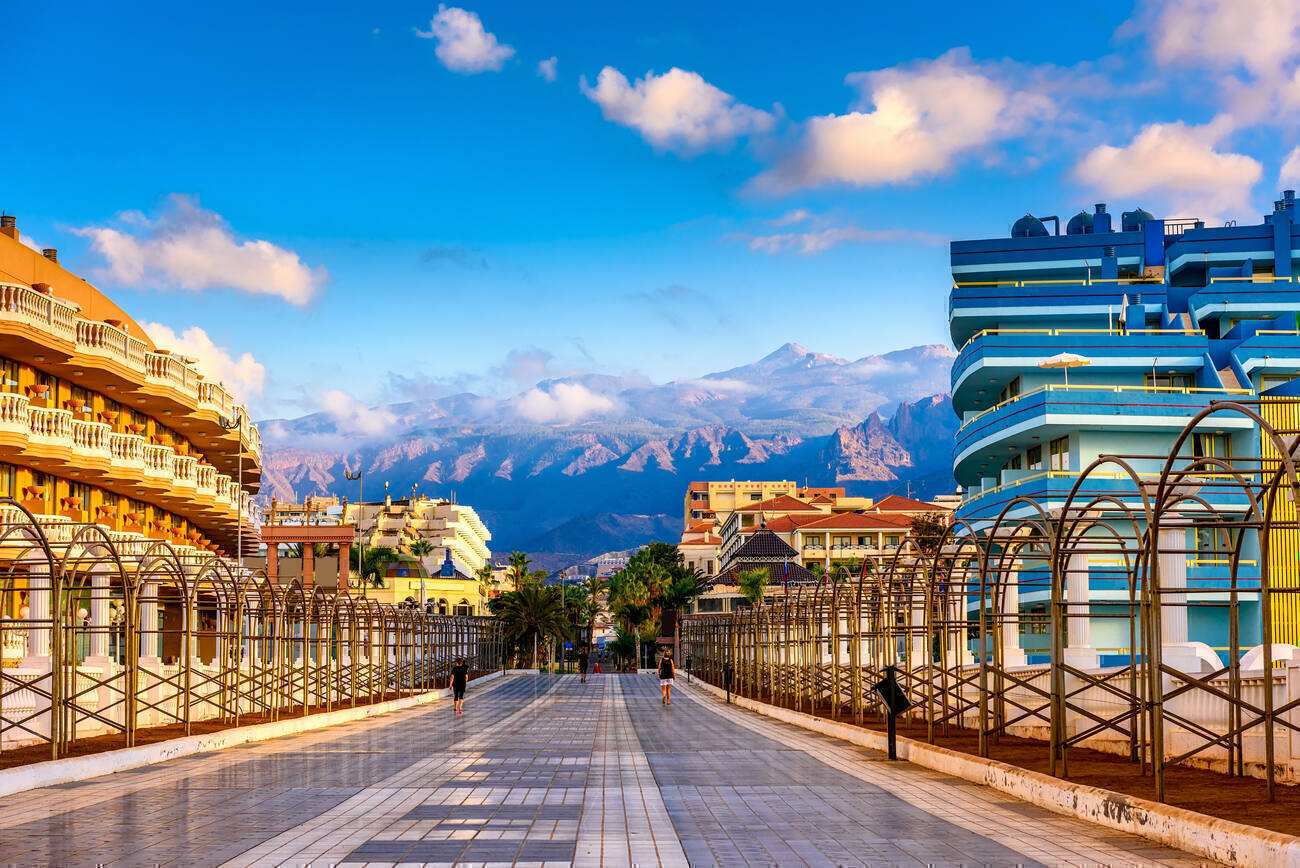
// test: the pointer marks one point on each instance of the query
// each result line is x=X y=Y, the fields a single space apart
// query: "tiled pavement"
x=542 y=770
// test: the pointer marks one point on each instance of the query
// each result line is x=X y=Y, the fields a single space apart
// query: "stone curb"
x=1217 y=839
x=69 y=769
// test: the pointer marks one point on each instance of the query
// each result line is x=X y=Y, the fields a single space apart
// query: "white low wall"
x=1221 y=840
x=61 y=771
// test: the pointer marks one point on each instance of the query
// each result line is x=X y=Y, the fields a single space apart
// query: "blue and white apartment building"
x=1169 y=314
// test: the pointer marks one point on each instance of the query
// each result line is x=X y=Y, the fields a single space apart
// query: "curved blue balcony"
x=1082 y=303
x=992 y=357
x=1035 y=417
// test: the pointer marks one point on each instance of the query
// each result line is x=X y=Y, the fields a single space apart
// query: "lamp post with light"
x=361 y=541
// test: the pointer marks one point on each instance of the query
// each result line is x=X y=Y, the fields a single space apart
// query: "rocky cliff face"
x=558 y=487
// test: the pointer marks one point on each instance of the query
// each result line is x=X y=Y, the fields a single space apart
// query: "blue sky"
x=361 y=196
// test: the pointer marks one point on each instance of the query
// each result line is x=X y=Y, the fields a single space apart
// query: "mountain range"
x=578 y=465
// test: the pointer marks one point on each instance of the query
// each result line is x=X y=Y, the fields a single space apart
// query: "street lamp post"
x=361 y=540
x=234 y=425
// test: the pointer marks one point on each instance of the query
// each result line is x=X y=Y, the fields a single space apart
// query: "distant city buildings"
x=451 y=576
x=798 y=534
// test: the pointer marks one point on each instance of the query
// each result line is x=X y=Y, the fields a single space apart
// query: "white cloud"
x=192 y=248
x=789 y=218
x=909 y=122
x=547 y=68
x=1290 y=174
x=821 y=240
x=350 y=416
x=677 y=111
x=242 y=375
x=463 y=45
x=561 y=403
x=1253 y=45
x=1180 y=164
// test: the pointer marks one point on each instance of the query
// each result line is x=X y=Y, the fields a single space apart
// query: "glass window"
x=1060 y=448
x=8 y=481
x=1168 y=381
x=1212 y=446
x=1009 y=391
x=8 y=375
x=1014 y=463
x=1034 y=458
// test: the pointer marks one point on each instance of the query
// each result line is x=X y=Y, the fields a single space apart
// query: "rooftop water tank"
x=1132 y=221
x=1028 y=226
x=1080 y=224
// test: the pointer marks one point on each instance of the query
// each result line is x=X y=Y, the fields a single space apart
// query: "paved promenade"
x=545 y=770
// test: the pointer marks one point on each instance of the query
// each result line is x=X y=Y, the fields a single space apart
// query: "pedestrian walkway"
x=543 y=770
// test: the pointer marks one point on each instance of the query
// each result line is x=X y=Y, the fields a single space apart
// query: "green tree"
x=623 y=646
x=629 y=600
x=928 y=529
x=520 y=571
x=421 y=549
x=533 y=612
x=685 y=586
x=377 y=557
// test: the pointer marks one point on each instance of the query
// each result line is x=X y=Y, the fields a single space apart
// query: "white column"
x=39 y=635
x=149 y=622
x=1012 y=653
x=918 y=652
x=1079 y=651
x=98 y=620
x=1173 y=574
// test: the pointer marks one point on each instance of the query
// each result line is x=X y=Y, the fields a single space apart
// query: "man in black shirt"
x=582 y=662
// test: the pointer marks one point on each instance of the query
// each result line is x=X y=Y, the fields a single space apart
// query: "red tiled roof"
x=856 y=520
x=698 y=486
x=897 y=503
x=700 y=526
x=783 y=503
x=824 y=498
x=781 y=524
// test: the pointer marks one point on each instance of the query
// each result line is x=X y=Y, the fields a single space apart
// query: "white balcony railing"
x=90 y=439
x=50 y=426
x=205 y=479
x=158 y=462
x=25 y=305
x=168 y=370
x=110 y=342
x=183 y=470
x=127 y=450
x=13 y=414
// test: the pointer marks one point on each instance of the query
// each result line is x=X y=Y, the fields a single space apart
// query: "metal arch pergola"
x=950 y=618
x=103 y=634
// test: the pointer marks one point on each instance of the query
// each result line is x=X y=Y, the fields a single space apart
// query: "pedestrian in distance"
x=582 y=662
x=459 y=676
x=667 y=671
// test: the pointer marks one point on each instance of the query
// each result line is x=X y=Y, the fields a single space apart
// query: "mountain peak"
x=790 y=353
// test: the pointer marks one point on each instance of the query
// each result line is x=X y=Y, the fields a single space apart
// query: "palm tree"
x=594 y=607
x=421 y=549
x=685 y=587
x=533 y=612
x=752 y=584
x=486 y=579
x=519 y=572
x=377 y=558
x=629 y=599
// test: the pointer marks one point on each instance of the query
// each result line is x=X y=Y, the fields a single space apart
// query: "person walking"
x=666 y=673
x=582 y=662
x=459 y=676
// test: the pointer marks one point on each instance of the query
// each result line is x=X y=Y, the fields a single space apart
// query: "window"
x=842 y=541
x=8 y=480
x=754 y=498
x=77 y=504
x=1034 y=458
x=1009 y=391
x=79 y=400
x=892 y=541
x=1272 y=381
x=8 y=375
x=864 y=541
x=1167 y=381
x=713 y=604
x=1014 y=463
x=1212 y=446
x=1060 y=448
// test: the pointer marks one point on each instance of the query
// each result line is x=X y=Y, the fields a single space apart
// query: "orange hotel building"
x=97 y=424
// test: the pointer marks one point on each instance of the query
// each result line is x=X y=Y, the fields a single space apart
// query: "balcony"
x=984 y=305
x=168 y=370
x=90 y=440
x=998 y=355
x=13 y=415
x=1056 y=410
x=1259 y=296
x=105 y=341
x=184 y=469
x=50 y=427
x=25 y=306
x=128 y=452
x=158 y=463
